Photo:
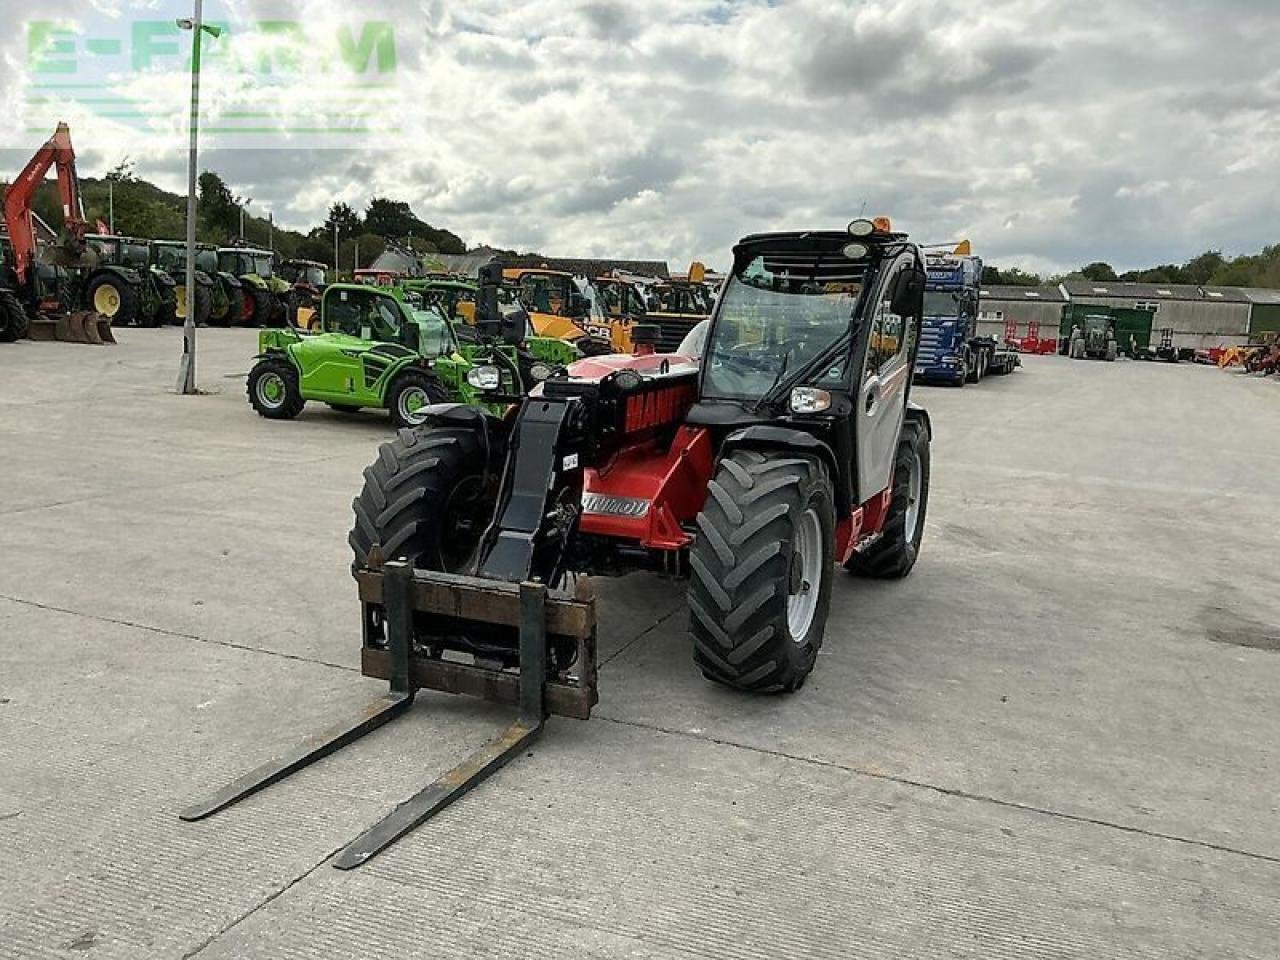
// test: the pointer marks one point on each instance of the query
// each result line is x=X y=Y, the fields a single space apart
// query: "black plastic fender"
x=773 y=437
x=494 y=431
x=920 y=415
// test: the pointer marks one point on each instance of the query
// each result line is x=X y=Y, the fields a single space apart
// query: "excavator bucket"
x=79 y=326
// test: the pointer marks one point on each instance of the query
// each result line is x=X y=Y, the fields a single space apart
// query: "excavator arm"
x=18 y=214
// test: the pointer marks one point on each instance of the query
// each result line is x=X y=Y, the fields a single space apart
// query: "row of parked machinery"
x=81 y=284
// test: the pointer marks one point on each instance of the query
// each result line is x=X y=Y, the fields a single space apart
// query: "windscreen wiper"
x=783 y=385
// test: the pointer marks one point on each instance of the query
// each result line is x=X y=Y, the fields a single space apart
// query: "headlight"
x=540 y=371
x=809 y=400
x=484 y=378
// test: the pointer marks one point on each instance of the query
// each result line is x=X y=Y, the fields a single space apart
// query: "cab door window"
x=890 y=333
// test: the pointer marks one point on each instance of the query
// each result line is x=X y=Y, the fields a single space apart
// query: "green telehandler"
x=375 y=350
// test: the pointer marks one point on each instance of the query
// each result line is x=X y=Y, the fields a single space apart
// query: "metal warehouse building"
x=1200 y=317
x=1264 y=316
x=1024 y=307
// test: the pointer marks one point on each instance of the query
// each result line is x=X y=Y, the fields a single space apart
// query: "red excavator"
x=37 y=281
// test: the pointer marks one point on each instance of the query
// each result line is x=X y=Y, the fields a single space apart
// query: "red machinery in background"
x=1032 y=343
x=37 y=286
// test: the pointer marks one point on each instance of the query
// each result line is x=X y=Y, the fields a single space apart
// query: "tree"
x=219 y=207
x=122 y=172
x=1013 y=277
x=1098 y=271
x=1200 y=270
x=347 y=220
x=392 y=219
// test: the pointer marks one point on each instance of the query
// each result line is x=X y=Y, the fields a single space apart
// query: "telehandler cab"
x=789 y=448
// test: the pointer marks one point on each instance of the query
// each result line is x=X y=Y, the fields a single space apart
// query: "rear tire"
x=116 y=300
x=424 y=499
x=260 y=306
x=204 y=305
x=235 y=312
x=166 y=309
x=756 y=614
x=893 y=555
x=273 y=389
x=412 y=390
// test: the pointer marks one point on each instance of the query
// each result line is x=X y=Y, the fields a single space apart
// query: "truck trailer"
x=951 y=350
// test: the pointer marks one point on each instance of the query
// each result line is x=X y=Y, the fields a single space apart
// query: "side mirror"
x=488 y=311
x=907 y=297
x=492 y=321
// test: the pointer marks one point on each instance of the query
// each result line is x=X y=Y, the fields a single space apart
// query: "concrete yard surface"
x=1058 y=738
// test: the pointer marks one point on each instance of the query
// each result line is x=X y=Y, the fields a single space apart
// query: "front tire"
x=425 y=499
x=410 y=392
x=893 y=555
x=14 y=322
x=761 y=566
x=273 y=389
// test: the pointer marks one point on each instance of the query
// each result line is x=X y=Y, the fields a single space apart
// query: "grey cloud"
x=608 y=19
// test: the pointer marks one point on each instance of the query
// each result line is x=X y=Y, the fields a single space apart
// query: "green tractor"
x=1095 y=339
x=121 y=285
x=375 y=350
x=457 y=300
x=268 y=299
x=307 y=279
x=219 y=295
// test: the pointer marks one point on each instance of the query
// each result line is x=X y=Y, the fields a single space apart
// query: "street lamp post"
x=187 y=369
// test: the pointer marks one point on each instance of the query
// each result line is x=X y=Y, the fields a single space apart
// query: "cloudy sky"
x=1051 y=133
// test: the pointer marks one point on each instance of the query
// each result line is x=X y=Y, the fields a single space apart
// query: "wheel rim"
x=271 y=390
x=106 y=300
x=464 y=520
x=913 y=497
x=412 y=400
x=806 y=575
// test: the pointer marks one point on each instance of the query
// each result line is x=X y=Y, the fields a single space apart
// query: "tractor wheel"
x=412 y=390
x=273 y=389
x=179 y=305
x=894 y=554
x=235 y=312
x=113 y=298
x=204 y=305
x=291 y=309
x=225 y=316
x=167 y=308
x=760 y=578
x=260 y=306
x=426 y=499
x=14 y=322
